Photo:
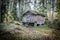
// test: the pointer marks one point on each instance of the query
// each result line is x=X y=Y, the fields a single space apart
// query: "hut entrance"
x=28 y=24
x=31 y=24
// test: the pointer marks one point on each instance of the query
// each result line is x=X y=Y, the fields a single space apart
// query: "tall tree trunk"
x=2 y=10
x=58 y=9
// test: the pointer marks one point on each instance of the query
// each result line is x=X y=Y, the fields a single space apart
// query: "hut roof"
x=33 y=13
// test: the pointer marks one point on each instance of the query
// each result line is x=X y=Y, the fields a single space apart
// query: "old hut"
x=33 y=18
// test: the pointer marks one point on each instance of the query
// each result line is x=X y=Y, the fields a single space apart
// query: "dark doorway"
x=31 y=24
x=38 y=24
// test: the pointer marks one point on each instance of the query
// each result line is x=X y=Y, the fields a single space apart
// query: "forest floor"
x=18 y=32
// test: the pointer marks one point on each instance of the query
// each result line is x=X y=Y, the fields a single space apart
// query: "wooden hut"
x=32 y=18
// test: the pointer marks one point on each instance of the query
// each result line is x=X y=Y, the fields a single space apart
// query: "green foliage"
x=58 y=10
x=11 y=14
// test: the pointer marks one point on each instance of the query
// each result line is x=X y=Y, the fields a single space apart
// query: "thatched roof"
x=33 y=13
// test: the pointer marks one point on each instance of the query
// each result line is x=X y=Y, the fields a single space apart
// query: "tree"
x=58 y=9
x=3 y=10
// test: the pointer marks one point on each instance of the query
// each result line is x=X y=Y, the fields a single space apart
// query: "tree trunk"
x=2 y=10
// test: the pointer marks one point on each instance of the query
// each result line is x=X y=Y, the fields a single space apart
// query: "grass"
x=43 y=27
x=18 y=32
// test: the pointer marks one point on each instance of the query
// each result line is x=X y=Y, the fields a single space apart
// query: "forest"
x=29 y=19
